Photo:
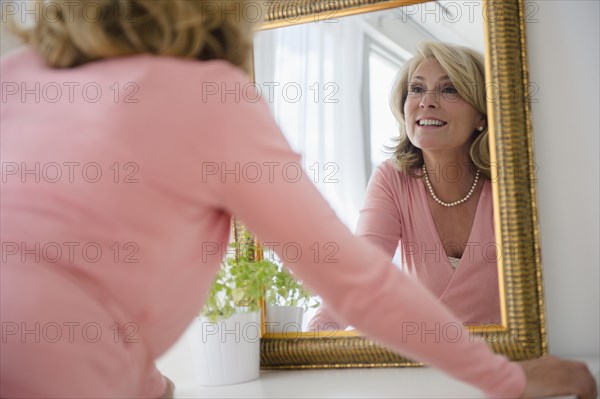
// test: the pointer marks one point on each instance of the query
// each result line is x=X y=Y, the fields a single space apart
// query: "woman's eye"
x=449 y=90
x=415 y=89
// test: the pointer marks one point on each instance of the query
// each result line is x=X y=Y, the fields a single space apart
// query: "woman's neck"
x=451 y=174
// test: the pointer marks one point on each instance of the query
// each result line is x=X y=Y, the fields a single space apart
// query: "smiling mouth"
x=431 y=122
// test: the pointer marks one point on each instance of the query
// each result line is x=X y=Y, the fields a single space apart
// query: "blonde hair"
x=68 y=33
x=465 y=68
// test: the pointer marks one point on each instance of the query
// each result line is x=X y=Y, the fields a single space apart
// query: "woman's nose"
x=429 y=99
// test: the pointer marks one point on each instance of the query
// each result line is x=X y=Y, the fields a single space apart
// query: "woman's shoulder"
x=195 y=73
x=217 y=68
x=144 y=66
x=188 y=84
x=393 y=184
x=390 y=171
x=19 y=57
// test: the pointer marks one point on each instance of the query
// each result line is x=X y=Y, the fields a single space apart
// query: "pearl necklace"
x=448 y=204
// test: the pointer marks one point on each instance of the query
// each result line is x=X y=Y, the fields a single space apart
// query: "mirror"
x=328 y=83
x=328 y=86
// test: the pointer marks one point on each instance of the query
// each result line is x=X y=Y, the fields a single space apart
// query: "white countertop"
x=178 y=365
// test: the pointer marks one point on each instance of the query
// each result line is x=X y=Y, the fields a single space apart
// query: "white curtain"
x=310 y=75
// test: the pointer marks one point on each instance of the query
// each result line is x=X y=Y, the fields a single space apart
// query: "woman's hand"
x=551 y=376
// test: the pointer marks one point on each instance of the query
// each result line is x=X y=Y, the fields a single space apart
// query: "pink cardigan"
x=117 y=197
x=396 y=212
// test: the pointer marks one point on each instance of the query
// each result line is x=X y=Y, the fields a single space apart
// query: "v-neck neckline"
x=437 y=234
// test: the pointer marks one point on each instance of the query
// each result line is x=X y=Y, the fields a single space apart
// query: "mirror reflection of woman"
x=175 y=135
x=433 y=198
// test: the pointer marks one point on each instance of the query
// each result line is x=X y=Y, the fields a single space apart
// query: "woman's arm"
x=379 y=223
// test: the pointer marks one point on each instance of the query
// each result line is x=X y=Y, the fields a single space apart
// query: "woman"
x=434 y=196
x=114 y=190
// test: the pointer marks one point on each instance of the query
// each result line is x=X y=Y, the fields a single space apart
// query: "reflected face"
x=437 y=117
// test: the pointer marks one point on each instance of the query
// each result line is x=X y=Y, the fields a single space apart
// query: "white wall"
x=563 y=48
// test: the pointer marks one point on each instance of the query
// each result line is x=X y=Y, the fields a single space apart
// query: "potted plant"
x=286 y=300
x=229 y=328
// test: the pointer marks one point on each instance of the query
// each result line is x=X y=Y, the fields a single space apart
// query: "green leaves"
x=219 y=303
x=285 y=290
x=242 y=282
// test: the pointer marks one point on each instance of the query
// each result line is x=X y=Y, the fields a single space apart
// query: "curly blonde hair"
x=466 y=70
x=68 y=33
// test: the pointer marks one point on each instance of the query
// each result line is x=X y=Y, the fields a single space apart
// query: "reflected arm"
x=380 y=221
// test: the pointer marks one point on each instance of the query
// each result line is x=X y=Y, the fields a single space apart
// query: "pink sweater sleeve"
x=379 y=223
x=269 y=191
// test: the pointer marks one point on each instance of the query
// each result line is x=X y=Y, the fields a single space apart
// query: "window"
x=381 y=127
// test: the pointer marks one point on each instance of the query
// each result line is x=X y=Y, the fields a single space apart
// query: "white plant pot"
x=228 y=349
x=284 y=319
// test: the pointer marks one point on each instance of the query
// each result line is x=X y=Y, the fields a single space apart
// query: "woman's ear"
x=482 y=123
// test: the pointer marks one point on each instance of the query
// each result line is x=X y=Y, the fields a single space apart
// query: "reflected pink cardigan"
x=117 y=197
x=396 y=212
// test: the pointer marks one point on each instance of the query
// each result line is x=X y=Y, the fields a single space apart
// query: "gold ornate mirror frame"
x=522 y=334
